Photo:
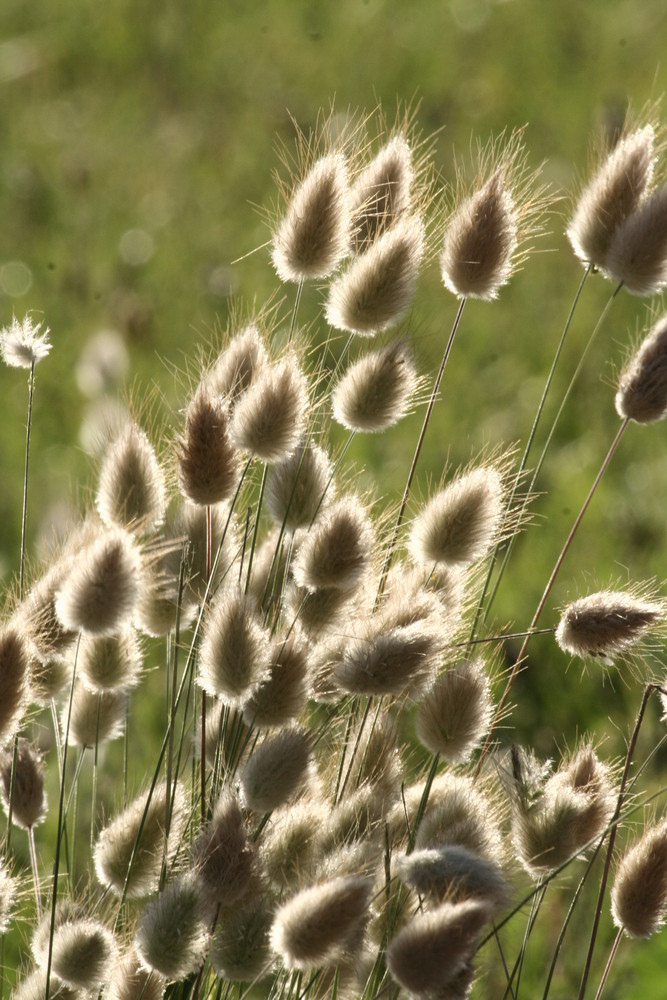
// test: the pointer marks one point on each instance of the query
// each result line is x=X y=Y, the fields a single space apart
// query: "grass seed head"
x=106 y=663
x=37 y=616
x=314 y=235
x=291 y=843
x=281 y=695
x=637 y=254
x=607 y=624
x=398 y=661
x=95 y=718
x=270 y=418
x=278 y=770
x=21 y=343
x=33 y=987
x=222 y=856
x=8 y=892
x=457 y=813
x=453 y=873
x=642 y=387
x=321 y=924
x=375 y=291
x=131 y=981
x=376 y=391
x=14 y=679
x=235 y=652
x=172 y=935
x=639 y=893
x=297 y=487
x=238 y=365
x=336 y=551
x=381 y=193
x=456 y=711
x=28 y=795
x=131 y=489
x=83 y=953
x=240 y=949
x=207 y=459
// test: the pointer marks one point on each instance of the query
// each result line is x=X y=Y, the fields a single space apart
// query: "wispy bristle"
x=314 y=235
x=639 y=894
x=278 y=770
x=270 y=418
x=235 y=651
x=455 y=713
x=607 y=624
x=375 y=291
x=290 y=845
x=172 y=935
x=207 y=461
x=299 y=487
x=375 y=392
x=381 y=192
x=336 y=551
x=27 y=794
x=637 y=254
x=237 y=366
x=642 y=387
x=131 y=489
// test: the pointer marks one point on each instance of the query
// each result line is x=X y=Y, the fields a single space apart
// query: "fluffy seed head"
x=106 y=663
x=642 y=387
x=461 y=523
x=131 y=981
x=207 y=461
x=457 y=813
x=33 y=987
x=49 y=676
x=453 y=874
x=456 y=711
x=270 y=418
x=607 y=624
x=22 y=345
x=392 y=661
x=375 y=291
x=336 y=551
x=321 y=924
x=318 y=611
x=240 y=947
x=290 y=843
x=296 y=488
x=222 y=856
x=8 y=889
x=277 y=770
x=381 y=193
x=37 y=617
x=314 y=235
x=95 y=718
x=236 y=368
x=131 y=848
x=637 y=254
x=235 y=651
x=172 y=935
x=131 y=489
x=28 y=796
x=102 y=588
x=614 y=193
x=375 y=392
x=428 y=954
x=283 y=692
x=83 y=951
x=639 y=894
x=14 y=679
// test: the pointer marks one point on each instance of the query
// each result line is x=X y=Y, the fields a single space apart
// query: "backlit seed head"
x=381 y=193
x=428 y=955
x=28 y=796
x=283 y=692
x=637 y=254
x=375 y=291
x=223 y=858
x=83 y=953
x=130 y=850
x=291 y=842
x=639 y=894
x=21 y=343
x=106 y=663
x=131 y=981
x=207 y=460
x=14 y=679
x=270 y=418
x=238 y=365
x=226 y=737
x=642 y=387
x=607 y=624
x=320 y=925
x=615 y=191
x=278 y=770
x=49 y=676
x=299 y=487
x=33 y=987
x=318 y=612
x=95 y=718
x=456 y=711
x=336 y=551
x=102 y=588
x=131 y=489
x=314 y=234
x=67 y=911
x=395 y=661
x=8 y=890
x=461 y=523
x=453 y=873
x=186 y=541
x=240 y=947
x=37 y=617
x=235 y=651
x=376 y=391
x=172 y=935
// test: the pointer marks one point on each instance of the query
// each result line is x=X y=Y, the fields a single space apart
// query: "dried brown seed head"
x=607 y=624
x=207 y=460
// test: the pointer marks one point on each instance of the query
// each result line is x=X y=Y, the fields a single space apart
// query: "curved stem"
x=610 y=960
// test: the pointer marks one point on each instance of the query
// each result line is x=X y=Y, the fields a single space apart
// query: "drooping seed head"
x=376 y=391
x=314 y=235
x=172 y=934
x=281 y=695
x=381 y=193
x=222 y=855
x=278 y=770
x=28 y=798
x=375 y=291
x=639 y=894
x=240 y=947
x=235 y=651
x=82 y=954
x=238 y=365
x=637 y=254
x=642 y=387
x=432 y=950
x=107 y=663
x=336 y=551
x=453 y=874
x=321 y=924
x=270 y=418
x=131 y=981
x=615 y=191
x=95 y=718
x=207 y=459
x=14 y=679
x=101 y=590
x=462 y=522
x=456 y=711
x=130 y=850
x=607 y=624
x=131 y=490
x=299 y=487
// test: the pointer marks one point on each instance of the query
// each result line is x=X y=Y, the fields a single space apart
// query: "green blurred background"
x=137 y=141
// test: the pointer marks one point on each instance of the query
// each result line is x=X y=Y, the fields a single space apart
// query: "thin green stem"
x=24 y=516
x=610 y=961
x=35 y=870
